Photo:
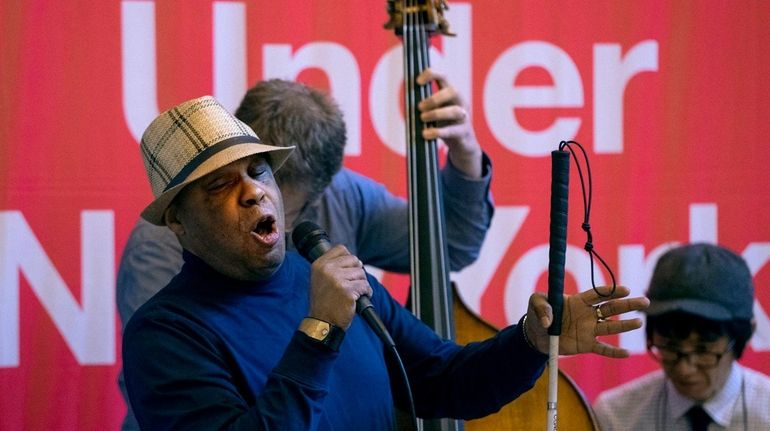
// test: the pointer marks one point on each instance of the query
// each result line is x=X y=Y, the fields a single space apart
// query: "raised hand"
x=586 y=316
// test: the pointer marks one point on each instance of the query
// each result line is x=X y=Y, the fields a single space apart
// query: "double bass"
x=431 y=297
x=430 y=292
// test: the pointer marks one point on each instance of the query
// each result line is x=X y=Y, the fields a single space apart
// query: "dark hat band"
x=207 y=154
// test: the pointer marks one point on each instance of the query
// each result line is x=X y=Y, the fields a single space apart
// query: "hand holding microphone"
x=337 y=279
x=338 y=283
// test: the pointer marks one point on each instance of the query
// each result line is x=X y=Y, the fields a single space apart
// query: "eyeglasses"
x=699 y=358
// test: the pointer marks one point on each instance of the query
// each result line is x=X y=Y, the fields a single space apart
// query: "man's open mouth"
x=266 y=226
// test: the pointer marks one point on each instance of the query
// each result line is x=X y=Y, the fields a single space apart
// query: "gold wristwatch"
x=323 y=332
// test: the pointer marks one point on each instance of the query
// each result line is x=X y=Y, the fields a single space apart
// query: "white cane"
x=556 y=257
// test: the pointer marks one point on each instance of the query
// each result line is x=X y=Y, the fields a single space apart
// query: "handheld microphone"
x=311 y=242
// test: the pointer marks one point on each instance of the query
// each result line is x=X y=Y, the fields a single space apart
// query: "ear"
x=171 y=218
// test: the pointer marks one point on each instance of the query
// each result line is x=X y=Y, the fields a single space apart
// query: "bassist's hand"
x=448 y=119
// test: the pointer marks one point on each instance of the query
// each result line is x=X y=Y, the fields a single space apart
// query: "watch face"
x=323 y=332
x=314 y=328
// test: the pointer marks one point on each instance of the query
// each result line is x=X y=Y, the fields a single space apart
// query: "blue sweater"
x=209 y=352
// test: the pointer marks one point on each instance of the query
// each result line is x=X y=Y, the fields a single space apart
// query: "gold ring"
x=599 y=314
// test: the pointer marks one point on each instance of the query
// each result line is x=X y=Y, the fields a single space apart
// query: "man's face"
x=688 y=373
x=233 y=219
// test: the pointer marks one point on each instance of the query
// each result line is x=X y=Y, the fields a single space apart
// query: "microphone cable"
x=311 y=241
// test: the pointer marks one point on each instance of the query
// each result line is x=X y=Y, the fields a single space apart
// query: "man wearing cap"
x=699 y=321
x=248 y=336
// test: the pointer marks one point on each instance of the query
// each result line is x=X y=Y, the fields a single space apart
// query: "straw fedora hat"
x=191 y=140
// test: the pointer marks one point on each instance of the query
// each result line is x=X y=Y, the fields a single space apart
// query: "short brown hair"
x=286 y=113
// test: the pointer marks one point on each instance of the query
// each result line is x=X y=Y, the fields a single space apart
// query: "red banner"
x=668 y=98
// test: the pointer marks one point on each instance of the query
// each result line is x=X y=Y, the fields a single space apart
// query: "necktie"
x=699 y=419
